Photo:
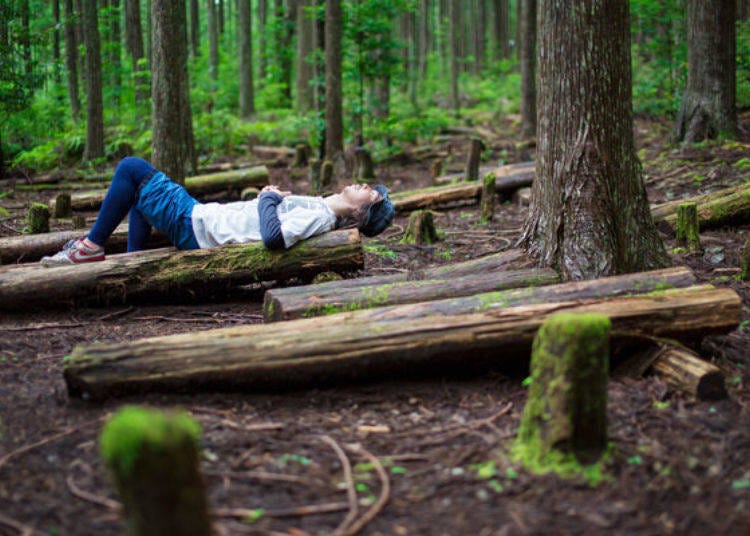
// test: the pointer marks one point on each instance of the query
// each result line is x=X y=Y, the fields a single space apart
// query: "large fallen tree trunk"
x=277 y=306
x=323 y=349
x=31 y=248
x=321 y=299
x=234 y=180
x=167 y=273
x=513 y=259
x=506 y=182
x=730 y=206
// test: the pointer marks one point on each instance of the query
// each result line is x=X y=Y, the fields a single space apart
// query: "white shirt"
x=301 y=217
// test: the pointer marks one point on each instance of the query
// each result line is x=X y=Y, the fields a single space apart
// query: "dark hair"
x=355 y=219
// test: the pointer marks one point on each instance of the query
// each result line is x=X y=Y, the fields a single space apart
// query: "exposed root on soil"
x=351 y=492
x=385 y=492
x=93 y=498
x=23 y=530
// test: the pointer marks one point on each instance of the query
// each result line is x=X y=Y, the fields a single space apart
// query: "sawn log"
x=453 y=295
x=168 y=273
x=355 y=346
x=199 y=185
x=730 y=206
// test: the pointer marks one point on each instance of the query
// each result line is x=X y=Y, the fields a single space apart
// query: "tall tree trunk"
x=56 y=56
x=589 y=215
x=173 y=146
x=287 y=15
x=502 y=28
x=220 y=16
x=319 y=73
x=262 y=29
x=708 y=107
x=71 y=61
x=94 y=105
x=528 y=63
x=245 y=39
x=453 y=32
x=423 y=20
x=334 y=114
x=195 y=29
x=305 y=45
x=26 y=36
x=134 y=45
x=213 y=40
x=114 y=50
x=480 y=36
x=149 y=33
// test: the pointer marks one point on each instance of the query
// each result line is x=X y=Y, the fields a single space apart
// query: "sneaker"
x=74 y=252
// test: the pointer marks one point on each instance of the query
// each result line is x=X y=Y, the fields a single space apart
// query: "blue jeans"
x=160 y=203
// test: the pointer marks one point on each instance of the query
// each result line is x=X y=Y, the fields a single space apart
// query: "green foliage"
x=743 y=63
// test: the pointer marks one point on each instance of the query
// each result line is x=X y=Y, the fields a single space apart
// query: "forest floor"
x=678 y=466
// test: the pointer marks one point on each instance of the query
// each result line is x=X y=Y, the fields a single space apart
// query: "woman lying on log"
x=277 y=218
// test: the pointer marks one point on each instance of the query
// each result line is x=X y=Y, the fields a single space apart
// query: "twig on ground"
x=111 y=504
x=258 y=427
x=46 y=440
x=351 y=492
x=23 y=529
x=116 y=314
x=468 y=426
x=297 y=511
x=46 y=325
x=385 y=492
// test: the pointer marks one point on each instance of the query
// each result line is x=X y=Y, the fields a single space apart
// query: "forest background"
x=409 y=69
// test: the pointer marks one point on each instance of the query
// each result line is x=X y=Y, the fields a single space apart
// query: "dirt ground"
x=428 y=454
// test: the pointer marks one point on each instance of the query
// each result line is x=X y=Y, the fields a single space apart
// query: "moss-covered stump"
x=38 y=218
x=565 y=417
x=365 y=168
x=475 y=156
x=686 y=232
x=78 y=221
x=420 y=229
x=436 y=168
x=301 y=155
x=153 y=460
x=487 y=201
x=63 y=208
x=326 y=174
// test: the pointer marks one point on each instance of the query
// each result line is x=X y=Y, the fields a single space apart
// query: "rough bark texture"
x=305 y=45
x=71 y=61
x=213 y=39
x=166 y=273
x=233 y=181
x=475 y=157
x=709 y=105
x=279 y=305
x=566 y=410
x=153 y=458
x=317 y=350
x=38 y=218
x=172 y=144
x=420 y=228
x=730 y=206
x=94 y=105
x=31 y=248
x=487 y=200
x=245 y=38
x=589 y=215
x=527 y=54
x=334 y=115
x=687 y=234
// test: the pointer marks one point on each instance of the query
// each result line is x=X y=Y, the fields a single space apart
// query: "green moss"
x=130 y=429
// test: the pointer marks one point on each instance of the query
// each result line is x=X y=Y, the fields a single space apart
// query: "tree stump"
x=326 y=174
x=38 y=218
x=436 y=168
x=475 y=155
x=153 y=459
x=686 y=232
x=487 y=202
x=420 y=229
x=365 y=169
x=79 y=221
x=566 y=409
x=314 y=176
x=301 y=155
x=63 y=207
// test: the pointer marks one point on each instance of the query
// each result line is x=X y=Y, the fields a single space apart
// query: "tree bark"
x=245 y=38
x=589 y=215
x=94 y=105
x=502 y=29
x=317 y=351
x=213 y=40
x=305 y=46
x=334 y=119
x=452 y=45
x=71 y=61
x=166 y=273
x=730 y=206
x=708 y=107
x=527 y=53
x=134 y=45
x=195 y=29
x=172 y=146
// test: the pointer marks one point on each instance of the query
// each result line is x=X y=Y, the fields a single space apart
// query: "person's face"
x=360 y=194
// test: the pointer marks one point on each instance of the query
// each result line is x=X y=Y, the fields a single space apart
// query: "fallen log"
x=167 y=273
x=684 y=371
x=234 y=180
x=31 y=248
x=318 y=350
x=322 y=299
x=730 y=206
x=513 y=259
x=276 y=306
